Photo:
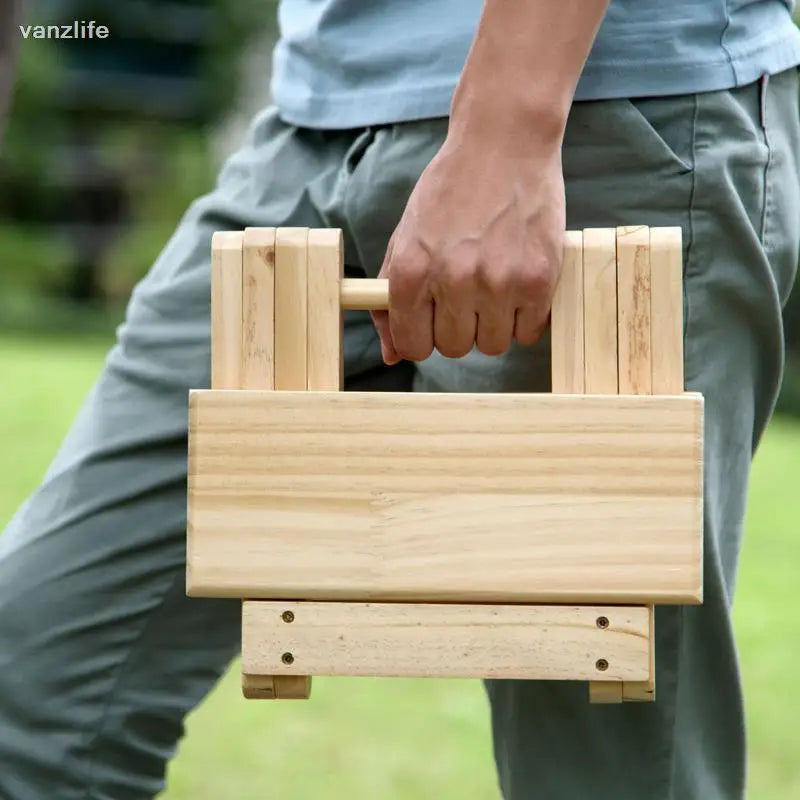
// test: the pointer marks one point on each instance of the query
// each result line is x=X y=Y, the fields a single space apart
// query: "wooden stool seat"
x=476 y=535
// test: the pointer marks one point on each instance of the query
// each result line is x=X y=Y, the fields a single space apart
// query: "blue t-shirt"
x=352 y=63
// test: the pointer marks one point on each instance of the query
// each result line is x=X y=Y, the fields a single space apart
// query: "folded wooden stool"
x=475 y=535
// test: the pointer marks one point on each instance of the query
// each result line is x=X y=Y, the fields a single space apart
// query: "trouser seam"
x=670 y=778
x=149 y=618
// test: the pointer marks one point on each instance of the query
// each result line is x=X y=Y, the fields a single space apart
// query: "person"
x=452 y=141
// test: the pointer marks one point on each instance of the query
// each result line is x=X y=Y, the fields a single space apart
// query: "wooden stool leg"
x=306 y=348
x=666 y=360
x=274 y=275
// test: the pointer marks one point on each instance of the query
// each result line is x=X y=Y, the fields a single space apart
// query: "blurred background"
x=107 y=144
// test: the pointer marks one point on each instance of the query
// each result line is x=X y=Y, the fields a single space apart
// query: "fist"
x=476 y=256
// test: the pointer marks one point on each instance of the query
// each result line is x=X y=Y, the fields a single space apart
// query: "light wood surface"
x=633 y=310
x=226 y=310
x=566 y=326
x=325 y=271
x=390 y=496
x=600 y=310
x=666 y=308
x=443 y=640
x=258 y=308
x=365 y=294
x=243 y=355
x=636 y=334
x=291 y=315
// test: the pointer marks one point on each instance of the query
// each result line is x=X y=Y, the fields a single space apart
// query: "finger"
x=454 y=328
x=380 y=318
x=388 y=352
x=411 y=306
x=530 y=324
x=495 y=329
x=411 y=329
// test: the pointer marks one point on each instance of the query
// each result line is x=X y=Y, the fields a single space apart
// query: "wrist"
x=518 y=122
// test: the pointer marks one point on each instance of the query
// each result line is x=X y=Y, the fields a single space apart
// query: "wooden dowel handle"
x=365 y=294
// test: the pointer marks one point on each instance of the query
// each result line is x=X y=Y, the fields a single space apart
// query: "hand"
x=477 y=253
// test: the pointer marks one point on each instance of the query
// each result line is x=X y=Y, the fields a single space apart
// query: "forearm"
x=523 y=68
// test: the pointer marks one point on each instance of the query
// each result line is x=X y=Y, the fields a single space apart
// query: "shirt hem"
x=599 y=81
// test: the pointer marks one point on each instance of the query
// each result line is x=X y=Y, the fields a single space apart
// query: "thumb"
x=381 y=321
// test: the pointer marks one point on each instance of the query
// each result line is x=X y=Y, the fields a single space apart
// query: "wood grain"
x=443 y=640
x=365 y=294
x=357 y=496
x=600 y=310
x=226 y=310
x=325 y=272
x=666 y=303
x=633 y=310
x=566 y=321
x=291 y=308
x=258 y=309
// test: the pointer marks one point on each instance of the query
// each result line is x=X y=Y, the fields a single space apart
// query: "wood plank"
x=600 y=310
x=566 y=320
x=360 y=496
x=325 y=274
x=644 y=691
x=291 y=304
x=666 y=281
x=443 y=640
x=226 y=309
x=633 y=310
x=258 y=309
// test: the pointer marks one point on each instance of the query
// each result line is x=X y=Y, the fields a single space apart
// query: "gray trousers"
x=102 y=655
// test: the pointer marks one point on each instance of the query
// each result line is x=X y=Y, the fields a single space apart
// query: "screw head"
x=287 y=616
x=602 y=622
x=287 y=658
x=601 y=664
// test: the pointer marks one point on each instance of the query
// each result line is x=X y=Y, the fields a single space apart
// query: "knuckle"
x=534 y=284
x=453 y=349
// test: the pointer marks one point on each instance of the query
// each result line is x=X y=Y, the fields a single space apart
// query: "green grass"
x=398 y=740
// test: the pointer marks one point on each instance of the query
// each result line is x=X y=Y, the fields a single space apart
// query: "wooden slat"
x=633 y=310
x=258 y=309
x=333 y=495
x=666 y=282
x=600 y=310
x=291 y=315
x=443 y=640
x=566 y=328
x=325 y=272
x=644 y=691
x=226 y=310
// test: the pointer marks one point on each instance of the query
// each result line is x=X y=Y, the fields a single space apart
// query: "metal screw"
x=287 y=658
x=287 y=616
x=602 y=622
x=601 y=664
